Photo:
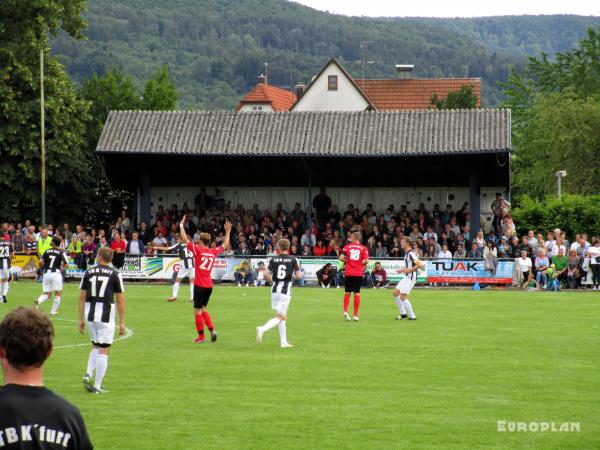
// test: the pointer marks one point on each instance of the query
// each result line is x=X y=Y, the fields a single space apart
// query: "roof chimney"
x=404 y=71
x=299 y=90
x=262 y=78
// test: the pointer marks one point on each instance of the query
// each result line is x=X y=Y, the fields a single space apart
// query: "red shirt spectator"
x=319 y=249
x=118 y=245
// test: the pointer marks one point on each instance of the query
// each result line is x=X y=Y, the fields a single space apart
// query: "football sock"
x=191 y=289
x=272 y=323
x=400 y=306
x=175 y=289
x=42 y=298
x=101 y=366
x=282 y=332
x=55 y=305
x=6 y=286
x=208 y=320
x=409 y=309
x=356 y=304
x=92 y=362
x=346 y=301
x=200 y=325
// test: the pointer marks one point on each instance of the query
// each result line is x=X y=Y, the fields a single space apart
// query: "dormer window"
x=332 y=83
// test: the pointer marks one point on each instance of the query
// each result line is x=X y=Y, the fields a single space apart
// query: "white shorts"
x=4 y=274
x=101 y=332
x=406 y=285
x=280 y=303
x=52 y=282
x=184 y=272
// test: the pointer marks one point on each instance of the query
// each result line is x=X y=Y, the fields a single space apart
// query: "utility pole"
x=42 y=137
x=364 y=45
x=559 y=176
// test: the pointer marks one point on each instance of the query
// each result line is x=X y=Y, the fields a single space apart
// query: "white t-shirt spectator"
x=594 y=253
x=524 y=264
x=428 y=235
x=159 y=241
x=444 y=254
x=555 y=247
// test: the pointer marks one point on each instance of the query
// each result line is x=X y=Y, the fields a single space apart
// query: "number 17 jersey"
x=204 y=258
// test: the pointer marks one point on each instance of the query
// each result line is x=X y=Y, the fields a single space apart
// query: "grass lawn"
x=443 y=381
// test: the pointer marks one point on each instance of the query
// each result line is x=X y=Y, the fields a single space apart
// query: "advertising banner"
x=137 y=267
x=468 y=271
x=27 y=264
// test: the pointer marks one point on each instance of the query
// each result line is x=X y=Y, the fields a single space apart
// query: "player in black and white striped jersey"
x=412 y=263
x=186 y=267
x=5 y=256
x=99 y=287
x=53 y=261
x=282 y=270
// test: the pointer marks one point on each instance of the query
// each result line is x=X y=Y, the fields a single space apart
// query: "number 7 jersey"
x=204 y=258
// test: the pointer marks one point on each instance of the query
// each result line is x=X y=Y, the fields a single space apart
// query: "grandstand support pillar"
x=474 y=203
x=143 y=200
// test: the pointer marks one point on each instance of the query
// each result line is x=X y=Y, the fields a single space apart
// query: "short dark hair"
x=56 y=241
x=106 y=254
x=26 y=337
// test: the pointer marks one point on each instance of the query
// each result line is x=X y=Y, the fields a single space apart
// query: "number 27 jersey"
x=204 y=258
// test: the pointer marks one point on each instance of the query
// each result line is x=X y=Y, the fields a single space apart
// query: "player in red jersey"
x=204 y=258
x=355 y=257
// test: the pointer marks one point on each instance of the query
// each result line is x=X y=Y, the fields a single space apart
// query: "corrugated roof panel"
x=367 y=133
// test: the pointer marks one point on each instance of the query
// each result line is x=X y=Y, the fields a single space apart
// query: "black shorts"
x=353 y=284
x=201 y=296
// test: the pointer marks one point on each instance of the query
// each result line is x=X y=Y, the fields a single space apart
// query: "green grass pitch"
x=472 y=359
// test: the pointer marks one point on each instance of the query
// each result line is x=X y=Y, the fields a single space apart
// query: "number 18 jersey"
x=355 y=255
x=204 y=258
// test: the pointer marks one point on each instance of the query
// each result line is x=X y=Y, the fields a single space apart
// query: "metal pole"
x=559 y=176
x=42 y=137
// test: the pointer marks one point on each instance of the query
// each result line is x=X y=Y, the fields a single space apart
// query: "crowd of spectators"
x=436 y=233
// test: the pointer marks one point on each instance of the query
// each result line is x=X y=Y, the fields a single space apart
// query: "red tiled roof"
x=413 y=93
x=280 y=99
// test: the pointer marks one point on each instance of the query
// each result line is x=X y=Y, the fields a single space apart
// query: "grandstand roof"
x=359 y=134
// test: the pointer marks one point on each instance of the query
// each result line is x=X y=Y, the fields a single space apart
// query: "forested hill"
x=216 y=48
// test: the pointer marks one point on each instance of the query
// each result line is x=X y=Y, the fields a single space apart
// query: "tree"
x=562 y=132
x=160 y=93
x=556 y=117
x=113 y=91
x=464 y=98
x=23 y=33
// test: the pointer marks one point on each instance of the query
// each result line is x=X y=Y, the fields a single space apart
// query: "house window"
x=257 y=108
x=332 y=83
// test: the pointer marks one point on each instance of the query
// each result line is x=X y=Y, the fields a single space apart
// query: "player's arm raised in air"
x=227 y=241
x=184 y=236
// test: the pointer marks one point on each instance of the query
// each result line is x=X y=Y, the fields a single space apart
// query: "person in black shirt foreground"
x=32 y=416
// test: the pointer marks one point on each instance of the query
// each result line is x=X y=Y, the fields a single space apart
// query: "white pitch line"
x=128 y=334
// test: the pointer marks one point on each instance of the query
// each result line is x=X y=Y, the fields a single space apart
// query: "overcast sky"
x=456 y=8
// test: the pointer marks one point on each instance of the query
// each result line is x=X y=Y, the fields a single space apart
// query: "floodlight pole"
x=559 y=176
x=42 y=137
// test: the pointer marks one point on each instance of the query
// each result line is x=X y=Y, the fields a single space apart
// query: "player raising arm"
x=99 y=286
x=204 y=258
x=186 y=267
x=411 y=264
x=282 y=270
x=355 y=256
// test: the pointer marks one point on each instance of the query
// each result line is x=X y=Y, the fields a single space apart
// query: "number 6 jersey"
x=101 y=283
x=283 y=267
